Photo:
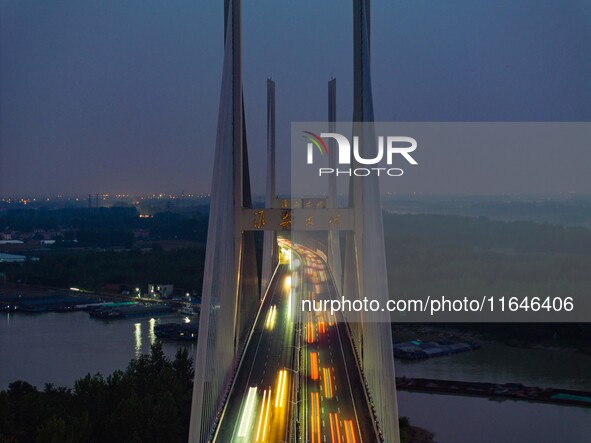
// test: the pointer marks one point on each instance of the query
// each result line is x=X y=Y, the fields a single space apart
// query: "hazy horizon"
x=111 y=97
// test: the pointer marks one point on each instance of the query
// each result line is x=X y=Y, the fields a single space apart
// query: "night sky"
x=122 y=96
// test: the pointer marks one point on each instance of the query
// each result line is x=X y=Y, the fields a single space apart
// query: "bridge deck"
x=330 y=404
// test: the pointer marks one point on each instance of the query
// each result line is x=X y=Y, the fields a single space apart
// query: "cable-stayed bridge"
x=265 y=370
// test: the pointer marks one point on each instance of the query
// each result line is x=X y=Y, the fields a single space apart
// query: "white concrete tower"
x=270 y=237
x=334 y=246
x=365 y=267
x=230 y=295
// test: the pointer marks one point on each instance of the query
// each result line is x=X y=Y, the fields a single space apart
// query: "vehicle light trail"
x=330 y=319
x=338 y=426
x=247 y=412
x=327 y=382
x=271 y=318
x=349 y=431
x=315 y=417
x=264 y=416
x=332 y=430
x=280 y=393
x=312 y=416
x=318 y=414
x=261 y=414
x=314 y=365
x=310 y=331
x=267 y=417
x=283 y=385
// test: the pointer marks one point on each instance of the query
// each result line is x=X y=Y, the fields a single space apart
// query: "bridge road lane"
x=264 y=417
x=336 y=408
x=333 y=407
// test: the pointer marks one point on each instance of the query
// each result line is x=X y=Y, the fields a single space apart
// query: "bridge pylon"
x=270 y=252
x=230 y=294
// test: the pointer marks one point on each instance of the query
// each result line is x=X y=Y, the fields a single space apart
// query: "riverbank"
x=442 y=332
x=419 y=435
x=59 y=348
x=513 y=391
x=464 y=419
x=413 y=434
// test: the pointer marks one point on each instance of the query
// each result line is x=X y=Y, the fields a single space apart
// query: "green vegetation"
x=150 y=401
x=404 y=424
x=26 y=220
x=438 y=255
x=96 y=258
x=105 y=227
x=413 y=434
x=147 y=402
x=480 y=233
x=558 y=210
x=92 y=270
x=434 y=255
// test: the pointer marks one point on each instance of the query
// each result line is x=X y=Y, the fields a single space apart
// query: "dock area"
x=418 y=349
x=177 y=331
x=133 y=310
x=46 y=303
x=513 y=391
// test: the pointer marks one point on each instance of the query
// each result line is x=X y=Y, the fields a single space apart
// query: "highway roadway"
x=259 y=405
x=298 y=375
x=336 y=410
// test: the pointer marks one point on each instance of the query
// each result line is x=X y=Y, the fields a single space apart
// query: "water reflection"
x=138 y=340
x=458 y=419
x=60 y=348
x=498 y=363
x=151 y=331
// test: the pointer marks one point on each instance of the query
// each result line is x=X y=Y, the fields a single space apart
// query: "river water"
x=62 y=347
x=459 y=419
